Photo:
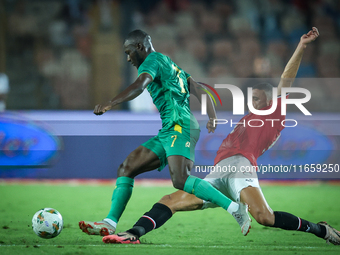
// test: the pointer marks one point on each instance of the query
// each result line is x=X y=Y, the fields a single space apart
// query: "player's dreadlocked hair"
x=267 y=88
x=139 y=36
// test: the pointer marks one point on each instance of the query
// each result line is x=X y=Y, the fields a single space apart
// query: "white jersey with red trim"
x=253 y=135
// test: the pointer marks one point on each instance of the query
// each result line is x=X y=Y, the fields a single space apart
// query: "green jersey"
x=169 y=91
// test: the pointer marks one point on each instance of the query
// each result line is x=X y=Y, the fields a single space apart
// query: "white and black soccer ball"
x=47 y=223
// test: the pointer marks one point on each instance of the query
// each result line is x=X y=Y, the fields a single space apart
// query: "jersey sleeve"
x=150 y=66
x=187 y=76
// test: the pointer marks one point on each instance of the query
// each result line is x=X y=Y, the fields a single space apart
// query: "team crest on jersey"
x=187 y=144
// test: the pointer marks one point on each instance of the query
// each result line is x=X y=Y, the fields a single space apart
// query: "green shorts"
x=173 y=141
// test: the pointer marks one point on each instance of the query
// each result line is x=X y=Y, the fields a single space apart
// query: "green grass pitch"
x=212 y=231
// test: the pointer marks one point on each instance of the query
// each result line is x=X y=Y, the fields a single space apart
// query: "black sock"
x=156 y=217
x=288 y=221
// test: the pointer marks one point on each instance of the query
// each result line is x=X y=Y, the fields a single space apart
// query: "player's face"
x=259 y=99
x=134 y=55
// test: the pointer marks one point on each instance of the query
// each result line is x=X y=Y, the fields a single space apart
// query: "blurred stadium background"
x=64 y=55
x=68 y=54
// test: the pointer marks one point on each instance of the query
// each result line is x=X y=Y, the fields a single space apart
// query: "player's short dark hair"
x=267 y=88
x=139 y=36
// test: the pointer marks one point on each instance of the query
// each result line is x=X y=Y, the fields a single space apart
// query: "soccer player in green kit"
x=175 y=143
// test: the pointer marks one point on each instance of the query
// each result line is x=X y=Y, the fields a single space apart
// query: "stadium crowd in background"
x=55 y=48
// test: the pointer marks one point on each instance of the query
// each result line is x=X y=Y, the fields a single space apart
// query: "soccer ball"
x=47 y=223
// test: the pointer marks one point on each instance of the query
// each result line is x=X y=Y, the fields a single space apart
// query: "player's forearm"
x=292 y=67
x=293 y=64
x=133 y=91
x=128 y=94
x=211 y=109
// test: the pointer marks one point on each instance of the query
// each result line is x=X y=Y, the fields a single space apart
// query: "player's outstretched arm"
x=197 y=92
x=131 y=92
x=293 y=64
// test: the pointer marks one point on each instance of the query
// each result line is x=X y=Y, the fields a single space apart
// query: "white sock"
x=112 y=223
x=233 y=207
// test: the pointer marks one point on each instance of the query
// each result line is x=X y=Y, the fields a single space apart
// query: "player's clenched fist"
x=100 y=109
x=310 y=36
x=211 y=125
